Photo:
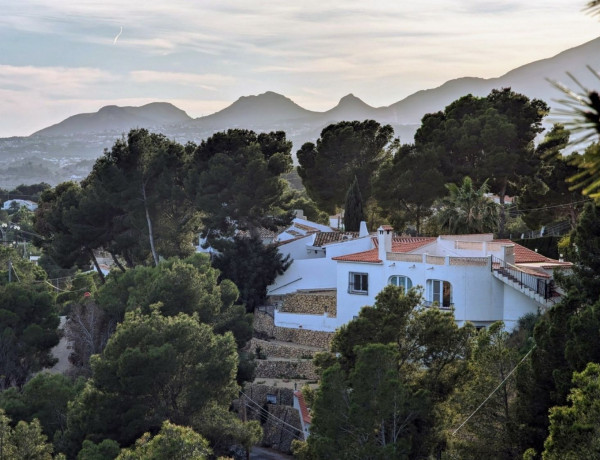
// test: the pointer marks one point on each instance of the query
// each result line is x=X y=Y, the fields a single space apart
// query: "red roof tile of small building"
x=407 y=244
x=303 y=409
x=370 y=256
x=306 y=228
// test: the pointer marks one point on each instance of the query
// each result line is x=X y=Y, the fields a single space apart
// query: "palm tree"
x=467 y=209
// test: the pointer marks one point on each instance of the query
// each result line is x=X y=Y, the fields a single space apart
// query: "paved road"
x=262 y=453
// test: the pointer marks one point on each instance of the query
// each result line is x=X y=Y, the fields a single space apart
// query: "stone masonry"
x=266 y=349
x=312 y=303
x=266 y=329
x=279 y=369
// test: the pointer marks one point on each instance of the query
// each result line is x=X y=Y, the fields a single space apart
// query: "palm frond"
x=593 y=7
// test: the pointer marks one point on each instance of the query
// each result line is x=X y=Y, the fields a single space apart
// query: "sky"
x=63 y=57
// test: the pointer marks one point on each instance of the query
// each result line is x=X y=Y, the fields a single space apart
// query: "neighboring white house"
x=8 y=204
x=312 y=253
x=480 y=279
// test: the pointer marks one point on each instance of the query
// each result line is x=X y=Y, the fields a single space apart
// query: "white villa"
x=480 y=279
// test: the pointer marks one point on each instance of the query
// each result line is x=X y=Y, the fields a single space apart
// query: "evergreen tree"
x=353 y=210
x=344 y=150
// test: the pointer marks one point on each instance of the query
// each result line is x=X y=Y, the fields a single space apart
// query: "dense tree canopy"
x=344 y=151
x=546 y=196
x=251 y=266
x=407 y=185
x=28 y=331
x=154 y=368
x=181 y=286
x=574 y=429
x=234 y=179
x=400 y=360
x=485 y=138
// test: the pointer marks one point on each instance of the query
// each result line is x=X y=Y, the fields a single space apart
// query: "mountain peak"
x=351 y=99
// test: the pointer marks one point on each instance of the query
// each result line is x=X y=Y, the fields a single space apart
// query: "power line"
x=492 y=393
x=516 y=209
x=275 y=417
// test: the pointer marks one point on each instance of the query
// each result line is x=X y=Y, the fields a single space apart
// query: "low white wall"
x=301 y=321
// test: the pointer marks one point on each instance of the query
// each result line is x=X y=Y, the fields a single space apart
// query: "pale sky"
x=62 y=57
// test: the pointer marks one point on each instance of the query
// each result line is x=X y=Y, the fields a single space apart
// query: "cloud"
x=209 y=82
x=53 y=81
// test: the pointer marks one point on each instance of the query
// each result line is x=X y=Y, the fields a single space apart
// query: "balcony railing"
x=540 y=286
x=430 y=304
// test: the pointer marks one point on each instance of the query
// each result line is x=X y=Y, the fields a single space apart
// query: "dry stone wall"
x=311 y=303
x=276 y=434
x=266 y=329
x=280 y=350
x=258 y=405
x=275 y=369
x=258 y=394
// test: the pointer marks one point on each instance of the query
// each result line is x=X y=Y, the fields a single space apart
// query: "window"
x=271 y=399
x=439 y=291
x=358 y=283
x=402 y=281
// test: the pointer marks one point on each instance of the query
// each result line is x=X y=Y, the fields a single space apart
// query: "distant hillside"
x=67 y=147
x=266 y=108
x=120 y=119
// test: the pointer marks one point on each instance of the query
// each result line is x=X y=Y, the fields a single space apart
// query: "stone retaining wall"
x=278 y=350
x=311 y=303
x=278 y=435
x=275 y=433
x=265 y=328
x=258 y=393
x=285 y=369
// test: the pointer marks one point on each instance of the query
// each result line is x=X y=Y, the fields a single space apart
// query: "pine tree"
x=353 y=211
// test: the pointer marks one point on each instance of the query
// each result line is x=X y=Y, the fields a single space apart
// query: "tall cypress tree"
x=353 y=211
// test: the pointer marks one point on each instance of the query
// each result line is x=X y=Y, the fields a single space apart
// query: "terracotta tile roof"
x=266 y=233
x=525 y=255
x=370 y=256
x=303 y=409
x=323 y=238
x=306 y=228
x=399 y=244
x=387 y=227
x=281 y=243
x=408 y=244
x=293 y=232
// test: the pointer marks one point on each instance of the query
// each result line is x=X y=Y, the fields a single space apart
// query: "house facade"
x=479 y=279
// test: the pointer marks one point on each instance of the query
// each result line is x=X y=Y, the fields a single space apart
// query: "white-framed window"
x=402 y=281
x=440 y=292
x=358 y=283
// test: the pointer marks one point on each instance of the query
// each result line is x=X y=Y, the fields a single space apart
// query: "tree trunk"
x=102 y=278
x=502 y=210
x=117 y=263
x=150 y=232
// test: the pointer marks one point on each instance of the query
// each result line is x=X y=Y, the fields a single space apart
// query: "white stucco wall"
x=516 y=305
x=296 y=249
x=305 y=274
x=477 y=295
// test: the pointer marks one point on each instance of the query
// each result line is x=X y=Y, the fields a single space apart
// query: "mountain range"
x=83 y=137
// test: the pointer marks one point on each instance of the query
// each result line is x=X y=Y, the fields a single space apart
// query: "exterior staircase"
x=542 y=290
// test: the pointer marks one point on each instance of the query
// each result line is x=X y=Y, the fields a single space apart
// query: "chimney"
x=384 y=239
x=363 y=229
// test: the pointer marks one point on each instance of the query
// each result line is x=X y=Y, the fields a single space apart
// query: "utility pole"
x=9 y=270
